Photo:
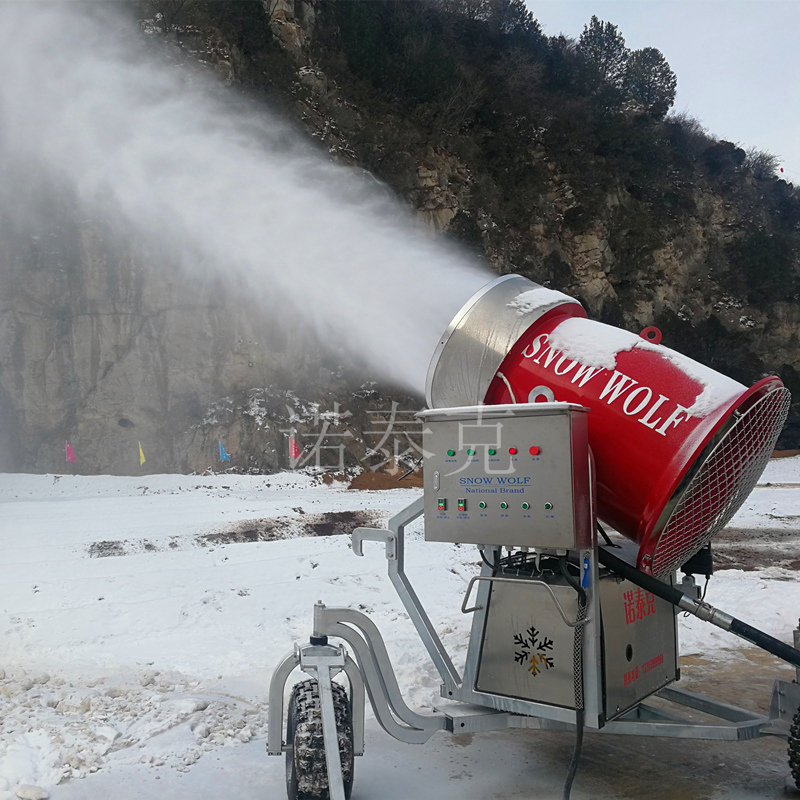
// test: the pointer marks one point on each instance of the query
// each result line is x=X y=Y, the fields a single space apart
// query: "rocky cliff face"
x=105 y=345
x=108 y=347
x=101 y=345
x=632 y=259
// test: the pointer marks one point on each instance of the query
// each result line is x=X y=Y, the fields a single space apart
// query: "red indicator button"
x=533 y=450
x=512 y=450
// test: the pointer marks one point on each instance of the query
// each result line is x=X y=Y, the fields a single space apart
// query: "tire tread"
x=307 y=771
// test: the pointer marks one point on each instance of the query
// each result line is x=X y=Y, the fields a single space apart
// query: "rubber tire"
x=794 y=748
x=306 y=770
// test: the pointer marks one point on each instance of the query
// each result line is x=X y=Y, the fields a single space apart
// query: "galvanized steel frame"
x=477 y=711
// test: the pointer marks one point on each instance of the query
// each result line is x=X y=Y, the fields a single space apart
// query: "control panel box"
x=511 y=475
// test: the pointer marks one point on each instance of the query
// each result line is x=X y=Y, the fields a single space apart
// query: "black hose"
x=642 y=579
x=766 y=642
x=708 y=613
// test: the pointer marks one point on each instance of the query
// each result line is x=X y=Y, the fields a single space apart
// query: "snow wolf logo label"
x=534 y=651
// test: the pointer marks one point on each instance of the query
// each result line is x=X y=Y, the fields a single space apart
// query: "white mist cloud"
x=233 y=188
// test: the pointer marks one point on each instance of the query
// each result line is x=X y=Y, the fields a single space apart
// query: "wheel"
x=306 y=770
x=794 y=748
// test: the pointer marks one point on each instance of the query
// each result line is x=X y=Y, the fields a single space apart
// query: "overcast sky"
x=737 y=61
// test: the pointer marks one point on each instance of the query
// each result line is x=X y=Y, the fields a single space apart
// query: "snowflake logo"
x=534 y=651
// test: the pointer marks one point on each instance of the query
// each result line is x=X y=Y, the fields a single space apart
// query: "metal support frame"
x=453 y=686
x=736 y=724
x=784 y=704
x=324 y=662
x=394 y=542
x=391 y=711
x=475 y=711
x=276 y=744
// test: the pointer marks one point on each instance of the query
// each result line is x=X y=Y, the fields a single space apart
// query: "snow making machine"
x=541 y=423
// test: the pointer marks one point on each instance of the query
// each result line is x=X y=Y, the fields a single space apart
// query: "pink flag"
x=294 y=448
x=70 y=453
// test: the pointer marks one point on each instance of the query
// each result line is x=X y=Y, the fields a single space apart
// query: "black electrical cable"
x=578 y=678
x=571 y=580
x=576 y=754
x=486 y=561
x=605 y=536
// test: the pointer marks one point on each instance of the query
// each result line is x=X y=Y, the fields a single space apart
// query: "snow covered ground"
x=141 y=619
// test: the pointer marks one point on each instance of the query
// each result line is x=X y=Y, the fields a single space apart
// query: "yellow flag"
x=142 y=459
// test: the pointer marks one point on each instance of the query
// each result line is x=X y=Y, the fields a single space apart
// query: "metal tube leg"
x=358 y=704
x=277 y=684
x=330 y=737
x=323 y=661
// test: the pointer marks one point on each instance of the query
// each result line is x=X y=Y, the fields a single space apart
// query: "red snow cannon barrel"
x=677 y=446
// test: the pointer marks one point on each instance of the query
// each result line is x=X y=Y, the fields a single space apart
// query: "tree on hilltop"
x=650 y=81
x=603 y=46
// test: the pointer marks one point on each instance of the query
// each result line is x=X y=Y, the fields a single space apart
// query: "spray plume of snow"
x=230 y=189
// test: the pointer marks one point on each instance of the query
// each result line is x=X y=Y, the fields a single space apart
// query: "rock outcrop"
x=101 y=347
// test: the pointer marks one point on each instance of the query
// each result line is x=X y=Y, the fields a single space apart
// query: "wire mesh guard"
x=724 y=480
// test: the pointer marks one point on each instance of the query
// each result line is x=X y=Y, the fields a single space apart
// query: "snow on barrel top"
x=595 y=344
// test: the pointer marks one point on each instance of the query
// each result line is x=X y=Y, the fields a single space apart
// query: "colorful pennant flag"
x=142 y=459
x=294 y=448
x=223 y=453
x=70 y=453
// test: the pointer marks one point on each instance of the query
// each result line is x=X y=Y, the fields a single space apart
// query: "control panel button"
x=503 y=505
x=451 y=453
x=533 y=450
x=548 y=506
x=512 y=450
x=481 y=504
x=441 y=504
x=526 y=506
x=462 y=504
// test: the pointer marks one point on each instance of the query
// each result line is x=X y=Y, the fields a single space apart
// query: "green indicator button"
x=470 y=452
x=548 y=506
x=492 y=451
x=503 y=505
x=451 y=452
x=526 y=506
x=482 y=504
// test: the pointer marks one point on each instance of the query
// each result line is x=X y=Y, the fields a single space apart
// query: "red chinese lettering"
x=631 y=676
x=630 y=610
x=641 y=605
